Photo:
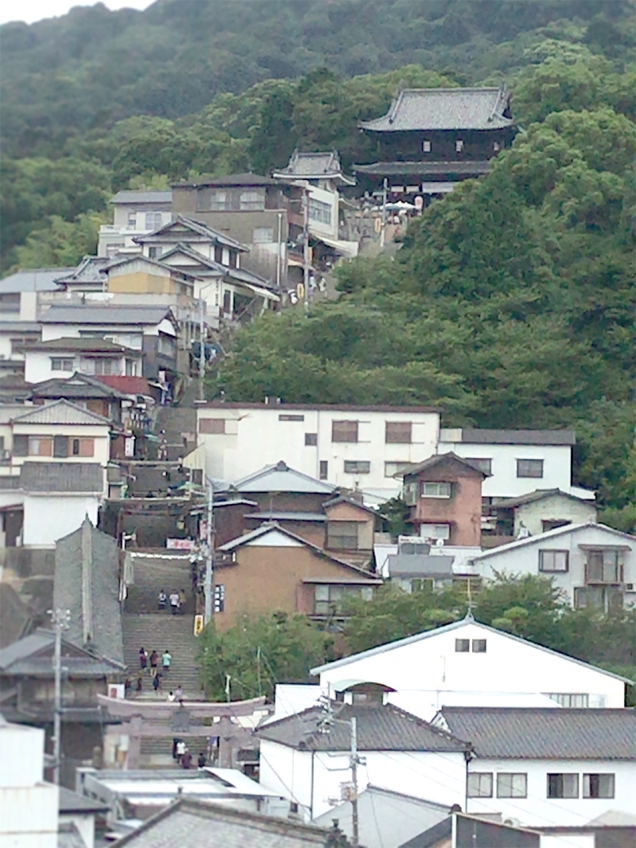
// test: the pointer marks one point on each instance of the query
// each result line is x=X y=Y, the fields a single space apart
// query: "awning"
x=261 y=292
x=346 y=248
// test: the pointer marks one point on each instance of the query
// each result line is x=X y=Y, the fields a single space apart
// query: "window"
x=462 y=646
x=459 y=145
x=552 y=524
x=10 y=302
x=553 y=560
x=603 y=566
x=218 y=254
x=570 y=699
x=291 y=417
x=342 y=535
x=251 y=201
x=40 y=446
x=20 y=445
x=153 y=220
x=426 y=146
x=311 y=439
x=512 y=784
x=530 y=468
x=398 y=432
x=60 y=446
x=435 y=490
x=132 y=219
x=409 y=493
x=219 y=201
x=435 y=531
x=212 y=426
x=319 y=211
x=479 y=646
x=357 y=466
x=62 y=363
x=82 y=447
x=227 y=301
x=323 y=469
x=393 y=469
x=153 y=252
x=604 y=597
x=480 y=784
x=482 y=463
x=328 y=599
x=563 y=786
x=219 y=598
x=103 y=366
x=344 y=431
x=263 y=235
x=598 y=785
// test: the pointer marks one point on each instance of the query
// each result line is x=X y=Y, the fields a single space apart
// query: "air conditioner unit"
x=512 y=822
x=629 y=587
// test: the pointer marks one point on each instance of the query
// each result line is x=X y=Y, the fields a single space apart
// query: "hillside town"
x=144 y=515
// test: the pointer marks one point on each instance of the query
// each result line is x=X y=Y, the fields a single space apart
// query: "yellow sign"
x=198 y=624
x=300 y=291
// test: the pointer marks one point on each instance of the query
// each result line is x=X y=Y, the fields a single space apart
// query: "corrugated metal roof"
x=444 y=109
x=60 y=412
x=39 y=279
x=72 y=802
x=62 y=478
x=513 y=733
x=84 y=314
x=381 y=727
x=161 y=197
x=513 y=437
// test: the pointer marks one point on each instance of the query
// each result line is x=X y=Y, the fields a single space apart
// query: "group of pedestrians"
x=182 y=755
x=158 y=666
x=176 y=598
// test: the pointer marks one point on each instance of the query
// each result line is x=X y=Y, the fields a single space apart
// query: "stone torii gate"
x=166 y=719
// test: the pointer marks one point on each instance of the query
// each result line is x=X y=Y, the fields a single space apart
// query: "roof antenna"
x=471 y=605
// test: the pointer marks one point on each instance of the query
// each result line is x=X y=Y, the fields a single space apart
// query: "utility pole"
x=354 y=761
x=209 y=554
x=60 y=619
x=306 y=246
x=202 y=342
x=383 y=230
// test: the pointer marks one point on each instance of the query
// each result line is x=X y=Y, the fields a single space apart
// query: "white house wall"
x=524 y=559
x=555 y=508
x=99 y=433
x=48 y=518
x=540 y=811
x=433 y=665
x=504 y=483
x=258 y=437
x=438 y=777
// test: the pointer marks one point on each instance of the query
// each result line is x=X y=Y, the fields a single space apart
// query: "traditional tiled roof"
x=38 y=279
x=287 y=516
x=509 y=437
x=193 y=228
x=538 y=495
x=92 y=270
x=214 y=268
x=444 y=109
x=126 y=385
x=381 y=727
x=87 y=583
x=62 y=477
x=545 y=733
x=32 y=655
x=111 y=314
x=448 y=458
x=206 y=825
x=60 y=412
x=423 y=169
x=124 y=197
x=77 y=386
x=83 y=345
x=314 y=166
x=282 y=478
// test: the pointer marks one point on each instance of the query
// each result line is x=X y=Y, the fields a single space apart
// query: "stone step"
x=154 y=574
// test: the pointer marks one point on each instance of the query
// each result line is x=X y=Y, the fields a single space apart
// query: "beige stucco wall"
x=556 y=508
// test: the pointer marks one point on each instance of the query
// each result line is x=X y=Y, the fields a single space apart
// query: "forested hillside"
x=511 y=303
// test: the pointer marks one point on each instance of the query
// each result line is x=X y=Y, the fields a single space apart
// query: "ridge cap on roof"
x=62 y=402
x=550 y=534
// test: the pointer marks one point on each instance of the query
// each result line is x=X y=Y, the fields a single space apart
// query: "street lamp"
x=201 y=344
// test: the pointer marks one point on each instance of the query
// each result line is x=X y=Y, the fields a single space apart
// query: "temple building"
x=433 y=138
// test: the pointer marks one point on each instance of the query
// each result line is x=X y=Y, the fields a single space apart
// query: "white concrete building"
x=518 y=461
x=473 y=664
x=547 y=767
x=307 y=756
x=28 y=805
x=350 y=446
x=95 y=357
x=542 y=510
x=592 y=564
x=135 y=213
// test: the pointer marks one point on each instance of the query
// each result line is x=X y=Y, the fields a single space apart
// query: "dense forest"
x=511 y=302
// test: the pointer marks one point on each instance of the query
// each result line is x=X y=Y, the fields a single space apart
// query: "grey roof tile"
x=83 y=345
x=60 y=412
x=161 y=197
x=444 y=109
x=90 y=270
x=39 y=279
x=282 y=478
x=517 y=437
x=72 y=802
x=539 y=495
x=54 y=477
x=380 y=728
x=87 y=583
x=545 y=733
x=26 y=647
x=77 y=386
x=424 y=169
x=92 y=314
x=445 y=459
x=196 y=228
x=188 y=822
x=246 y=179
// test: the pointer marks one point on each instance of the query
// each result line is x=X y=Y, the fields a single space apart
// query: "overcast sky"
x=35 y=10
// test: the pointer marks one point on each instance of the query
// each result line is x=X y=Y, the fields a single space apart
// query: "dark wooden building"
x=432 y=138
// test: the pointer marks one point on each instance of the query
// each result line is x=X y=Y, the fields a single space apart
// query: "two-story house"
x=264 y=214
x=134 y=213
x=444 y=497
x=54 y=471
x=593 y=564
x=94 y=357
x=433 y=138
